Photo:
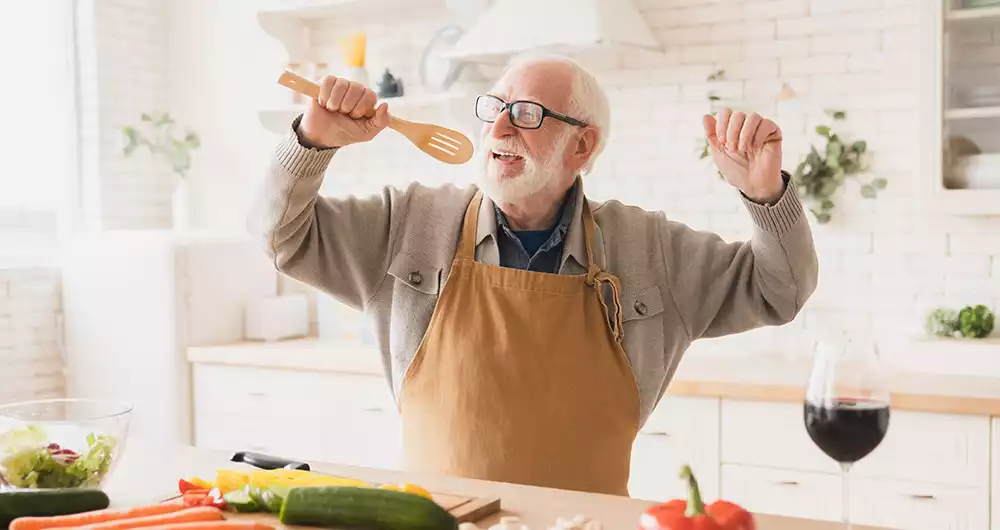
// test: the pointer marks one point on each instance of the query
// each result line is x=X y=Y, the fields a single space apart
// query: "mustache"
x=509 y=144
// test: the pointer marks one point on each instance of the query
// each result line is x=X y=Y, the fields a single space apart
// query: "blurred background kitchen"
x=135 y=131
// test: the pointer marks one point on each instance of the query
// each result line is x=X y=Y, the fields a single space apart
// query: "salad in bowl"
x=61 y=443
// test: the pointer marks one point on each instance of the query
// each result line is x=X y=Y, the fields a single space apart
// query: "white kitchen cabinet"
x=928 y=463
x=343 y=418
x=682 y=430
x=995 y=474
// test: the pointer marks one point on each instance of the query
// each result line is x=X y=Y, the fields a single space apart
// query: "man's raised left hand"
x=747 y=150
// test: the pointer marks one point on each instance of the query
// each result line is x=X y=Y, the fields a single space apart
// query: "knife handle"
x=267 y=461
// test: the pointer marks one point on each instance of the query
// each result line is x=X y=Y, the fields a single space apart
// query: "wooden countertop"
x=148 y=473
x=764 y=378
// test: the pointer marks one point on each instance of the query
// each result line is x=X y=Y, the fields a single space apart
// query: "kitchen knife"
x=267 y=461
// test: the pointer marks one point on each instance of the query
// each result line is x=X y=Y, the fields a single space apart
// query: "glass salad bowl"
x=61 y=443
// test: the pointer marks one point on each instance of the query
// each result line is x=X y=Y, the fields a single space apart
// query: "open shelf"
x=972 y=113
x=974 y=14
x=308 y=9
x=279 y=120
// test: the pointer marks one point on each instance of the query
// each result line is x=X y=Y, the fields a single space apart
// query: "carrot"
x=219 y=525
x=93 y=517
x=190 y=515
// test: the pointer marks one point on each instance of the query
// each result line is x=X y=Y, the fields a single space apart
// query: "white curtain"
x=38 y=176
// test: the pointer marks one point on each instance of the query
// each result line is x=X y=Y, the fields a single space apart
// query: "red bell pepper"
x=203 y=497
x=693 y=514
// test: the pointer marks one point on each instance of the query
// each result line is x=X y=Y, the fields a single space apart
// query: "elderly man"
x=528 y=332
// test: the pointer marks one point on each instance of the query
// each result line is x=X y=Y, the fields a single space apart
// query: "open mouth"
x=504 y=156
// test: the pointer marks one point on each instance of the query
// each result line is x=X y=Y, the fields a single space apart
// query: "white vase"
x=181 y=203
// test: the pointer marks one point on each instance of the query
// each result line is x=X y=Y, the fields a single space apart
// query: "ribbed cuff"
x=299 y=159
x=780 y=216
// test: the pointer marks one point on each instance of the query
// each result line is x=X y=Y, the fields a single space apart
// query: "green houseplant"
x=820 y=174
x=157 y=135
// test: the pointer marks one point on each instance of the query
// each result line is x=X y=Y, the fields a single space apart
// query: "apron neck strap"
x=590 y=231
x=467 y=246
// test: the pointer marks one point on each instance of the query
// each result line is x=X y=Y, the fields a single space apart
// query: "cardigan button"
x=640 y=308
x=416 y=278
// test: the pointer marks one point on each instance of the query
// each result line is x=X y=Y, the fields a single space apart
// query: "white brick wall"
x=123 y=74
x=884 y=262
x=29 y=308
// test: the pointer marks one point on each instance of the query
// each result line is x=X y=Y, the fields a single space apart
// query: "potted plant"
x=157 y=135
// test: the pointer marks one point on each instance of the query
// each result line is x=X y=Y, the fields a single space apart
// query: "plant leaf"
x=860 y=146
x=826 y=204
x=146 y=117
x=867 y=191
x=823 y=130
x=193 y=141
x=823 y=218
x=880 y=183
x=713 y=97
x=833 y=151
x=827 y=189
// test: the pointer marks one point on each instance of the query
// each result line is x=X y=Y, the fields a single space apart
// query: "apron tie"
x=617 y=327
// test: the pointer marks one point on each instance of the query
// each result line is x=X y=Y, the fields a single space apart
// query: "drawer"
x=918 y=506
x=364 y=438
x=682 y=430
x=928 y=447
x=285 y=394
x=237 y=433
x=767 y=434
x=783 y=491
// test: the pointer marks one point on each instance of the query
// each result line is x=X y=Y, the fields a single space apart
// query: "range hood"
x=509 y=27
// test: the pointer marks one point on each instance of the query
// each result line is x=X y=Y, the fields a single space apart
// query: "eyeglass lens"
x=523 y=113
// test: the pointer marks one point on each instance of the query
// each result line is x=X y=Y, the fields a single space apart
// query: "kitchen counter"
x=148 y=473
x=760 y=378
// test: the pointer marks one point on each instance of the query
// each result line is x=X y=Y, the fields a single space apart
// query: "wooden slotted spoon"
x=446 y=145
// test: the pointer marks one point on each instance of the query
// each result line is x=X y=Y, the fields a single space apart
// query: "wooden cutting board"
x=465 y=509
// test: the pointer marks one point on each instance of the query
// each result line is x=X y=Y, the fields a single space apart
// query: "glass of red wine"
x=847 y=403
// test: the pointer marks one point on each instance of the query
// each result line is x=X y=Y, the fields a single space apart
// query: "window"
x=38 y=129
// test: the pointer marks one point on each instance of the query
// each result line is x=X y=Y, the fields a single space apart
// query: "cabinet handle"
x=786 y=483
x=257 y=393
x=922 y=497
x=656 y=433
x=373 y=409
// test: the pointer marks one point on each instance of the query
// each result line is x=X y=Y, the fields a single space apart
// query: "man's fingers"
x=355 y=92
x=709 y=122
x=767 y=131
x=722 y=124
x=366 y=103
x=733 y=131
x=337 y=95
x=325 y=87
x=749 y=130
x=381 y=118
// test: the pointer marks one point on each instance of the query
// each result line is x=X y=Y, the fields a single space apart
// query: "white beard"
x=534 y=178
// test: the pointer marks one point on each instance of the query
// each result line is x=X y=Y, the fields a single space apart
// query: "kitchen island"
x=148 y=473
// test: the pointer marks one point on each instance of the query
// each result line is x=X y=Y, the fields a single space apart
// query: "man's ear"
x=586 y=144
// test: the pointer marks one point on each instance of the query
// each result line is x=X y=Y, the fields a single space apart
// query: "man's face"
x=519 y=163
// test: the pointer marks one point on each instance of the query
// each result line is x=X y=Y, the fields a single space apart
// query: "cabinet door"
x=785 y=492
x=918 y=505
x=995 y=474
x=682 y=430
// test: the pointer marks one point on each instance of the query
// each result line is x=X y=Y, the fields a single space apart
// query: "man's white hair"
x=587 y=101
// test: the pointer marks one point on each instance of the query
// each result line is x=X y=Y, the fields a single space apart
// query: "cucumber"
x=353 y=507
x=241 y=500
x=49 y=502
x=270 y=498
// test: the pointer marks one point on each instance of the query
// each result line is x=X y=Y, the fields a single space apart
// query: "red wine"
x=849 y=429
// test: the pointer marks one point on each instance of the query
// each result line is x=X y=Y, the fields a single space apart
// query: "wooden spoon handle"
x=306 y=87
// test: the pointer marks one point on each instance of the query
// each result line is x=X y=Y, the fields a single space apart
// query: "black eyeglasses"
x=523 y=114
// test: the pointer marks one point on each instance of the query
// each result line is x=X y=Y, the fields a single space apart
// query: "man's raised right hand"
x=336 y=117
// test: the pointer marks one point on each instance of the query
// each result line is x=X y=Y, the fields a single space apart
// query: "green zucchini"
x=49 y=502
x=354 y=507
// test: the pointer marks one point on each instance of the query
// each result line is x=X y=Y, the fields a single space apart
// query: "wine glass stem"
x=846 y=503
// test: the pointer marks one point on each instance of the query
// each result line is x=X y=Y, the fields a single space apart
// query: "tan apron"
x=521 y=377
